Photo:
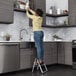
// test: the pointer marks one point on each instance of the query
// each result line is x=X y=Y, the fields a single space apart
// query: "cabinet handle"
x=8 y=44
x=11 y=45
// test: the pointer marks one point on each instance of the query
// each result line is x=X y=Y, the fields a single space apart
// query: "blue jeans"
x=38 y=38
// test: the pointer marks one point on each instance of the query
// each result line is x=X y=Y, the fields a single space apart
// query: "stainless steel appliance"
x=74 y=53
x=9 y=57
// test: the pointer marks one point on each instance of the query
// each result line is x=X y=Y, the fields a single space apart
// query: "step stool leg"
x=34 y=64
x=45 y=67
x=33 y=67
x=40 y=68
x=37 y=67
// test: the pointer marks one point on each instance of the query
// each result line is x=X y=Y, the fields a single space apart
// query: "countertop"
x=33 y=41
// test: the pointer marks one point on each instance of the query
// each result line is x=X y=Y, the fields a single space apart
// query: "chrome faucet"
x=21 y=32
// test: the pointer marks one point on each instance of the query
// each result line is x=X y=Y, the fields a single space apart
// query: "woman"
x=37 y=29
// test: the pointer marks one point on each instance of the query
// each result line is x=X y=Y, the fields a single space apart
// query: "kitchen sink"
x=25 y=44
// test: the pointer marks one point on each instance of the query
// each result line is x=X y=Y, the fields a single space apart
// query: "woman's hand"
x=28 y=9
x=27 y=6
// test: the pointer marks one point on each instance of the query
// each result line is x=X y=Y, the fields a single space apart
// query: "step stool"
x=39 y=66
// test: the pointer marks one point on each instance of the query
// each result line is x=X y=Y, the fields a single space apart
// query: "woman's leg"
x=41 y=45
x=38 y=37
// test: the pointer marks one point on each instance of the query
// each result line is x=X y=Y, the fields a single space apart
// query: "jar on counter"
x=58 y=11
x=50 y=10
x=66 y=22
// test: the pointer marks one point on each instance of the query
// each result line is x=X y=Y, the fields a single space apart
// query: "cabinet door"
x=61 y=53
x=6 y=11
x=26 y=58
x=68 y=53
x=35 y=4
x=72 y=12
x=50 y=53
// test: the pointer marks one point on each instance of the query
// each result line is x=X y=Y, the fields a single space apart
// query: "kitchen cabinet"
x=27 y=57
x=68 y=53
x=61 y=53
x=19 y=6
x=35 y=4
x=65 y=53
x=54 y=53
x=72 y=10
x=50 y=53
x=9 y=57
x=6 y=11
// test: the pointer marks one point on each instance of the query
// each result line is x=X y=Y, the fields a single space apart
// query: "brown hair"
x=39 y=12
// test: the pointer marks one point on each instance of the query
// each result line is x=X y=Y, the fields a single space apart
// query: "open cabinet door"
x=39 y=4
x=6 y=11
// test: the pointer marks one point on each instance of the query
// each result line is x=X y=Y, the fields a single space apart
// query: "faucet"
x=21 y=32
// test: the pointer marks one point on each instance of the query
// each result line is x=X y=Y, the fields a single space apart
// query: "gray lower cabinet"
x=54 y=52
x=61 y=52
x=65 y=53
x=26 y=58
x=68 y=53
x=50 y=53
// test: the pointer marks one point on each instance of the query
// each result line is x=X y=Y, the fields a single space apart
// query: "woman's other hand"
x=28 y=9
x=27 y=6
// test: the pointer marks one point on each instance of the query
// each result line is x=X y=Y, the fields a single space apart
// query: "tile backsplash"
x=22 y=22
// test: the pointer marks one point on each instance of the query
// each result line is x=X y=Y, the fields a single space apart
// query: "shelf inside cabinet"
x=56 y=15
x=19 y=10
x=59 y=26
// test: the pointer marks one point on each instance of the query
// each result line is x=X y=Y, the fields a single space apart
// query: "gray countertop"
x=32 y=41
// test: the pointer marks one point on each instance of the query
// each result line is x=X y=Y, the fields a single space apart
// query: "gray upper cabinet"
x=35 y=4
x=65 y=53
x=72 y=12
x=6 y=11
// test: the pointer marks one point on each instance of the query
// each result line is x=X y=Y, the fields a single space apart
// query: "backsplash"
x=22 y=22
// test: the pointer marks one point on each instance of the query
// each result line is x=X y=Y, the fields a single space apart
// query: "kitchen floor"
x=52 y=71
